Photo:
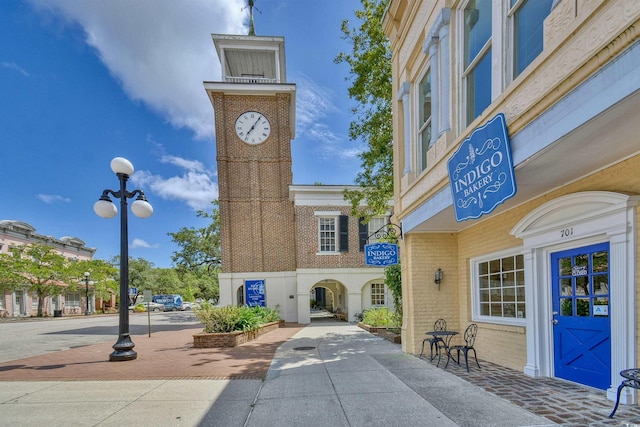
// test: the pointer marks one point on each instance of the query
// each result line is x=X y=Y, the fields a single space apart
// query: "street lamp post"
x=87 y=282
x=123 y=348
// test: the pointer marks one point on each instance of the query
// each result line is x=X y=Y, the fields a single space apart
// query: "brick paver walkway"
x=170 y=355
x=563 y=402
x=164 y=355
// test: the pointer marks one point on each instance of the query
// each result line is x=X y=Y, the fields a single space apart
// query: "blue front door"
x=581 y=331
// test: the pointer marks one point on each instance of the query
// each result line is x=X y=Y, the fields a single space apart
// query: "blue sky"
x=84 y=81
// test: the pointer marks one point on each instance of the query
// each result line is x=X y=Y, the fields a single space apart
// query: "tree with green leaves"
x=199 y=257
x=142 y=275
x=199 y=247
x=103 y=274
x=370 y=76
x=39 y=269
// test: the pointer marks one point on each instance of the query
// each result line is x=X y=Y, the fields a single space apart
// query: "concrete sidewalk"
x=328 y=374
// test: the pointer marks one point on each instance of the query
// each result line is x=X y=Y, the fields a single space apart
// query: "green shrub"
x=232 y=318
x=379 y=317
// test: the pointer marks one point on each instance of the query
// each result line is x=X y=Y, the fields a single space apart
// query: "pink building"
x=15 y=303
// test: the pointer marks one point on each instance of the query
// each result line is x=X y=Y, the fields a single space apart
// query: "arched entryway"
x=328 y=301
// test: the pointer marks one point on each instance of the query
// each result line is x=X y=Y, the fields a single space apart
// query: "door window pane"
x=565 y=266
x=600 y=262
x=582 y=307
x=601 y=284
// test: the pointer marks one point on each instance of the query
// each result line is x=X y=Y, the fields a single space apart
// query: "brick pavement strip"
x=565 y=403
x=164 y=355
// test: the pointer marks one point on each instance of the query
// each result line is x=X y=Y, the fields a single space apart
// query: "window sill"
x=507 y=321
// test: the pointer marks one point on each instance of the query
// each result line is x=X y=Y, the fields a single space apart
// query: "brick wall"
x=255 y=211
x=307 y=234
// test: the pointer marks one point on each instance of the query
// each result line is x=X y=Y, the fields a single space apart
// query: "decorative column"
x=445 y=70
x=403 y=96
x=435 y=91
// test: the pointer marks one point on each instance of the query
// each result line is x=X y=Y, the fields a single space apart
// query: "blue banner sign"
x=133 y=292
x=254 y=290
x=481 y=171
x=381 y=254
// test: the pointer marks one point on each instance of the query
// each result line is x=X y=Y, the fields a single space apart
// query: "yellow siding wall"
x=504 y=345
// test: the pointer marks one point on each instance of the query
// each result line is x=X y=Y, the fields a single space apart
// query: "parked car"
x=153 y=306
x=188 y=305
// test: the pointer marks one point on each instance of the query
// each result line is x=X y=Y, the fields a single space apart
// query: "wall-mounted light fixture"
x=438 y=277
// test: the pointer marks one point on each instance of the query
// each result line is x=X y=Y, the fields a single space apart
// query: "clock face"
x=253 y=127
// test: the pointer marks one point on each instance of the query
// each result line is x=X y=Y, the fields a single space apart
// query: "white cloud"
x=52 y=198
x=192 y=165
x=16 y=67
x=139 y=243
x=160 y=50
x=314 y=105
x=194 y=186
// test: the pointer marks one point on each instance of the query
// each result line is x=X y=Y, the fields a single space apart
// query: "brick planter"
x=369 y=328
x=232 y=339
x=389 y=335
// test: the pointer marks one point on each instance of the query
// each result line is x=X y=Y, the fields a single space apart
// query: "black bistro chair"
x=439 y=325
x=469 y=340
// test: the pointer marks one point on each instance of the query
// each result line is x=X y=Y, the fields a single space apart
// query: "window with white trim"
x=476 y=76
x=2 y=303
x=376 y=223
x=72 y=299
x=34 y=301
x=499 y=289
x=333 y=232
x=527 y=24
x=377 y=294
x=327 y=234
x=424 y=121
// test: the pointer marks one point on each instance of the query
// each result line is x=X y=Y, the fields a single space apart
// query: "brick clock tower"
x=254 y=110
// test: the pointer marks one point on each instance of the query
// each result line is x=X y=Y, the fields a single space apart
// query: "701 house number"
x=566 y=232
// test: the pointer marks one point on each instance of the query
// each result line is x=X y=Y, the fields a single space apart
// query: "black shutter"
x=344 y=233
x=363 y=233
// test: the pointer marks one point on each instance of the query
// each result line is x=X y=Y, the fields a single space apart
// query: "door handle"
x=554 y=321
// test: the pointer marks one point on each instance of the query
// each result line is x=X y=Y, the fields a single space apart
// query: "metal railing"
x=246 y=79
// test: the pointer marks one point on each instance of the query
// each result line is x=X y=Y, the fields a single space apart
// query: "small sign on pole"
x=254 y=290
x=147 y=298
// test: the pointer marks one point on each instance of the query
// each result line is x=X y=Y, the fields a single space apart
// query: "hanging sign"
x=481 y=171
x=254 y=290
x=381 y=254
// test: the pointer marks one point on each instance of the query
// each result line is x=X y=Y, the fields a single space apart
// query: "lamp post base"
x=123 y=350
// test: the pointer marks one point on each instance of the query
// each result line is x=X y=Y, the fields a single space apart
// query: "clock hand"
x=254 y=125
